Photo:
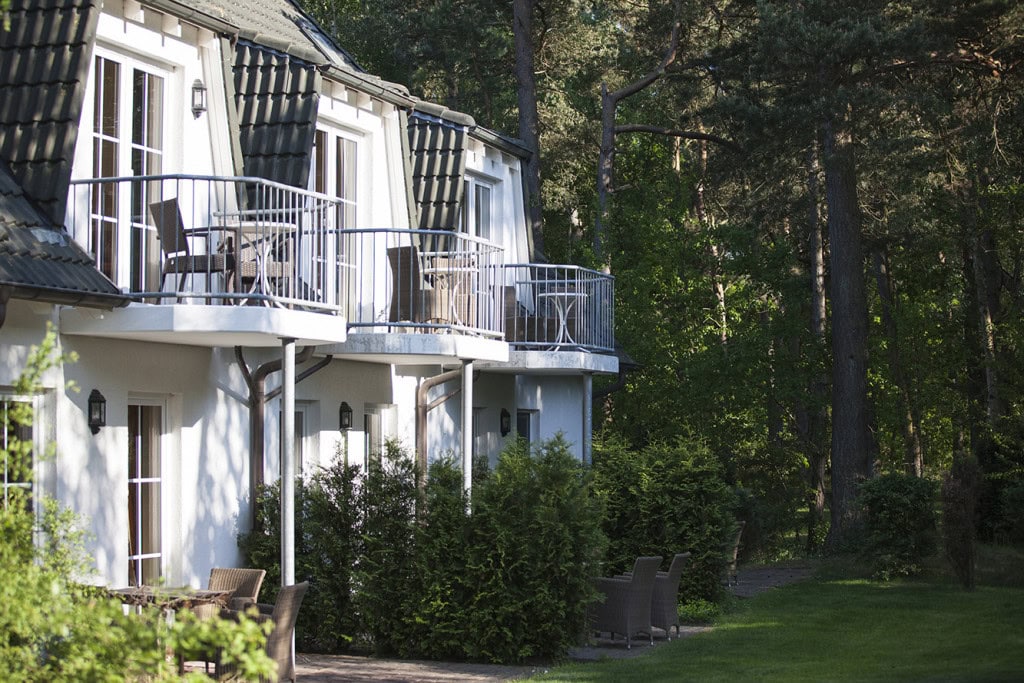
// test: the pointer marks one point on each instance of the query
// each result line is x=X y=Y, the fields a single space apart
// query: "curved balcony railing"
x=558 y=307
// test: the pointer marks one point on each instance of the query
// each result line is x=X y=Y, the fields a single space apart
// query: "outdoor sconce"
x=198 y=98
x=97 y=411
x=506 y=422
x=344 y=417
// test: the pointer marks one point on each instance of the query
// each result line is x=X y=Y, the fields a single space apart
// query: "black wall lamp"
x=198 y=98
x=97 y=411
x=344 y=417
x=506 y=422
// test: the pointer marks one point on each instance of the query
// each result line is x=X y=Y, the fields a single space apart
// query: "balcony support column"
x=467 y=428
x=588 y=418
x=287 y=462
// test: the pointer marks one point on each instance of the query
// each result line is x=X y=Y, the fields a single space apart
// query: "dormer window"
x=475 y=216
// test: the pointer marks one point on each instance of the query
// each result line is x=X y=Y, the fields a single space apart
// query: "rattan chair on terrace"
x=665 y=597
x=282 y=614
x=626 y=608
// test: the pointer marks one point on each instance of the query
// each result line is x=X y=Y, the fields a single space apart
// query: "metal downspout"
x=421 y=417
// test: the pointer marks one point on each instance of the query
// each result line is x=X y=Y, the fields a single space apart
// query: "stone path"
x=343 y=668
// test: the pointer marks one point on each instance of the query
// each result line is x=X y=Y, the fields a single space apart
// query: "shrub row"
x=410 y=573
x=666 y=499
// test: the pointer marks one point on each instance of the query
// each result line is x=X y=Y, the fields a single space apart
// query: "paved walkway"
x=343 y=668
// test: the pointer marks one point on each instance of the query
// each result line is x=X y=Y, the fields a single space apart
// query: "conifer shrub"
x=899 y=524
x=662 y=500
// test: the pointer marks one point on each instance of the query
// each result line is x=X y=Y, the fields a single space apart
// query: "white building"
x=231 y=225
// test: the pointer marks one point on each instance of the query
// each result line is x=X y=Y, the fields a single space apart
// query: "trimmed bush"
x=536 y=543
x=899 y=518
x=1011 y=517
x=666 y=499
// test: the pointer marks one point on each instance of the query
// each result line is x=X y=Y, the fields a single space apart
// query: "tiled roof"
x=276 y=98
x=438 y=151
x=39 y=260
x=44 y=61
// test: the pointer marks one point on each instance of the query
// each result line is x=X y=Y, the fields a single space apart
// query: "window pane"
x=483 y=211
x=107 y=97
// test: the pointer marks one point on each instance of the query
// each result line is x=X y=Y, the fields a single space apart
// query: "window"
x=301 y=437
x=145 y=428
x=127 y=138
x=334 y=170
x=475 y=218
x=378 y=427
x=525 y=426
x=16 y=447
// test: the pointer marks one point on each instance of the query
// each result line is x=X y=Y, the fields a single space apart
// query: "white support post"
x=467 y=428
x=287 y=462
x=588 y=419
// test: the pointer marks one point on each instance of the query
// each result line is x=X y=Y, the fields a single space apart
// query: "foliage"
x=385 y=568
x=55 y=629
x=508 y=582
x=1012 y=513
x=662 y=500
x=959 y=499
x=536 y=543
x=899 y=519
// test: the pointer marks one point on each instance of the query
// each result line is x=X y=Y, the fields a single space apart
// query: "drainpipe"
x=5 y=296
x=257 y=383
x=288 y=462
x=421 y=416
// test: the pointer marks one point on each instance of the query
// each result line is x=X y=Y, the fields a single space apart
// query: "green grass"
x=842 y=630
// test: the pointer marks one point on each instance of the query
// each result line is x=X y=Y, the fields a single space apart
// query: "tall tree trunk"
x=816 y=415
x=529 y=128
x=717 y=286
x=913 y=456
x=851 y=438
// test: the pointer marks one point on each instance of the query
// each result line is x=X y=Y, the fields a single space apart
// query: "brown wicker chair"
x=626 y=608
x=282 y=614
x=245 y=584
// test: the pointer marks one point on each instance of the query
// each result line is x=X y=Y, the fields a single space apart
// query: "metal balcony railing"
x=558 y=308
x=427 y=281
x=230 y=240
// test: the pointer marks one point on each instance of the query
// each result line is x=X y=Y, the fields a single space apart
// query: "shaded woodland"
x=812 y=209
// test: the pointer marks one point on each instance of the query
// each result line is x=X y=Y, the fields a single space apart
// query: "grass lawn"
x=842 y=630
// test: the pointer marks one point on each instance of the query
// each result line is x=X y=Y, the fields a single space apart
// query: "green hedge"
x=510 y=581
x=663 y=500
x=899 y=523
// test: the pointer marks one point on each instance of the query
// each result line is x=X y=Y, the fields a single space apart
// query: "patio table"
x=169 y=599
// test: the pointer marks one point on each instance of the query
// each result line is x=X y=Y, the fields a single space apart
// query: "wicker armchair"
x=282 y=614
x=244 y=583
x=665 y=597
x=733 y=577
x=627 y=605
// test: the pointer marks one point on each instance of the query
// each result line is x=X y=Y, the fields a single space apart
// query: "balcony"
x=232 y=247
x=558 y=308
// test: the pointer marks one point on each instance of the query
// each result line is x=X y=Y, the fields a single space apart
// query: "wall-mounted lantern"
x=506 y=422
x=198 y=98
x=344 y=417
x=97 y=411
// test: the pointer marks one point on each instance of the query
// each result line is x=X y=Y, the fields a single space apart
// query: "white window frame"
x=162 y=442
x=121 y=270
x=470 y=212
x=32 y=485
x=379 y=425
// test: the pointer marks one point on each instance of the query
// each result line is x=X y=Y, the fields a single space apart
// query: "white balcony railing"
x=169 y=239
x=556 y=307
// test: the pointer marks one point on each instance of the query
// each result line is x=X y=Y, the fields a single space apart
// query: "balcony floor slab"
x=201 y=325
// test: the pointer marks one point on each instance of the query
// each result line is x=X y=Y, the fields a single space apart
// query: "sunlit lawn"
x=842 y=630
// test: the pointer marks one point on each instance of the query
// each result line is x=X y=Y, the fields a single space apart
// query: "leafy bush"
x=899 y=517
x=665 y=499
x=54 y=629
x=959 y=532
x=1011 y=504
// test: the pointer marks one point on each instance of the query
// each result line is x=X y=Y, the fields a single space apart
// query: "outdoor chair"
x=244 y=585
x=665 y=597
x=178 y=258
x=282 y=614
x=412 y=298
x=626 y=608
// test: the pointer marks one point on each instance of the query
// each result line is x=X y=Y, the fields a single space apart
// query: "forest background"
x=812 y=209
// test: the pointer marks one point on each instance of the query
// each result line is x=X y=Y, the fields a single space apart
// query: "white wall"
x=559 y=403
